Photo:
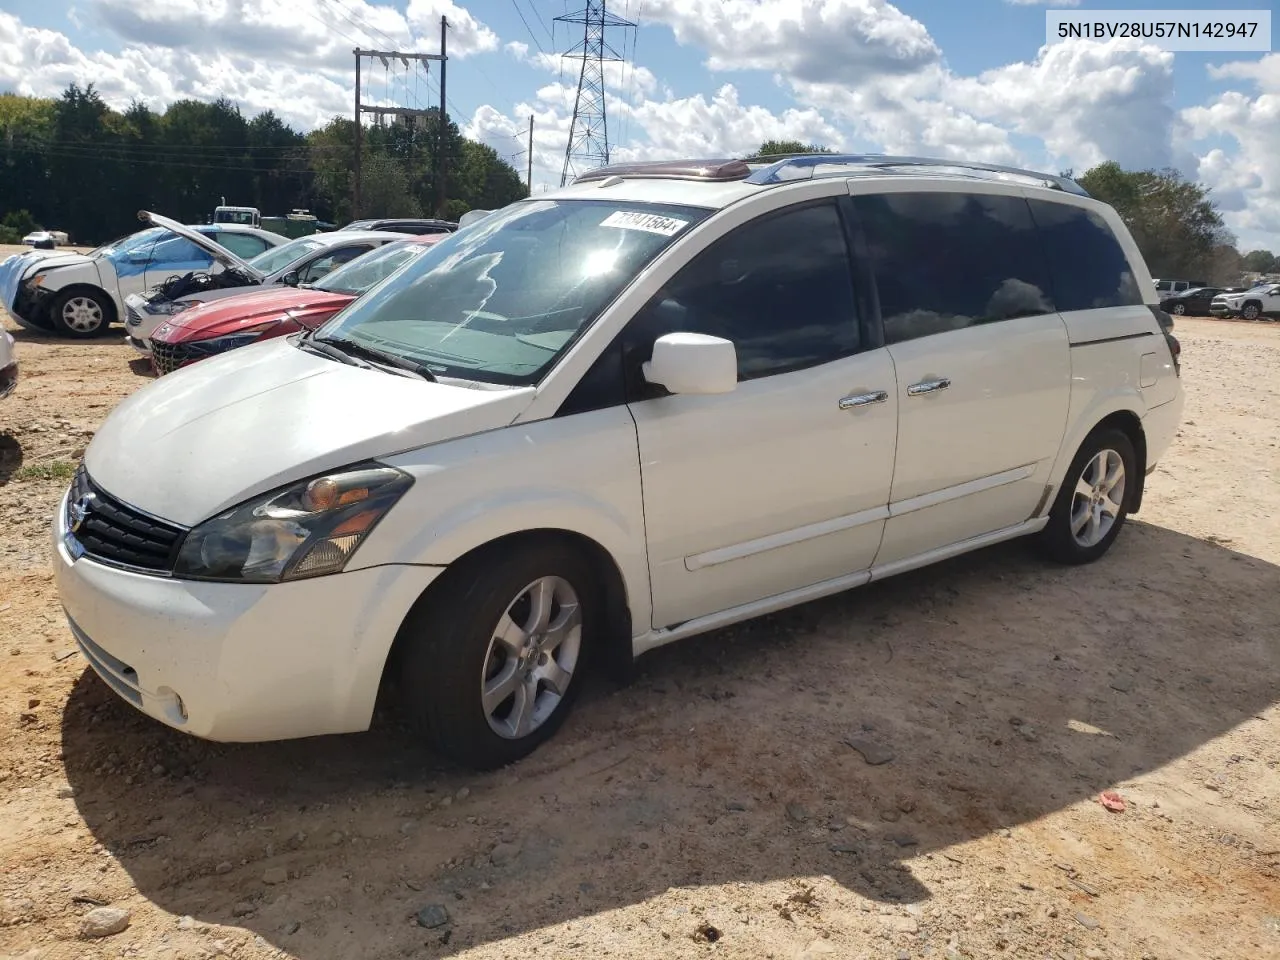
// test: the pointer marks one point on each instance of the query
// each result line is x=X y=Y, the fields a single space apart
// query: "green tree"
x=482 y=180
x=1261 y=261
x=386 y=188
x=774 y=148
x=1173 y=220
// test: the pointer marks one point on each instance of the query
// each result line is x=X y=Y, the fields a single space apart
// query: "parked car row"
x=81 y=295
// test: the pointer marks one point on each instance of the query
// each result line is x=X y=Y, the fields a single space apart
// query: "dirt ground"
x=714 y=807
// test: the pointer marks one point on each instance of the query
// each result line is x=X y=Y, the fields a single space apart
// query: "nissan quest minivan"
x=664 y=399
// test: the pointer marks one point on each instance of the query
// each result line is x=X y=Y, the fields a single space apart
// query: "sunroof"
x=716 y=171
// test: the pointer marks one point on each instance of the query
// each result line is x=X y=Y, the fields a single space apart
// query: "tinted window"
x=780 y=288
x=1087 y=263
x=244 y=245
x=945 y=261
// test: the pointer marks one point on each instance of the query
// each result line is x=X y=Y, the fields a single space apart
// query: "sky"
x=970 y=79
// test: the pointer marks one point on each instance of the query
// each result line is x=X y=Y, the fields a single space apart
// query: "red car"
x=238 y=321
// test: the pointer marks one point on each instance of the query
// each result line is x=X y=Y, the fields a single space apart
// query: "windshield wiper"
x=355 y=348
x=323 y=348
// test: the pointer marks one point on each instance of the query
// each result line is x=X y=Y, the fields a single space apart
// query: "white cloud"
x=1087 y=101
x=1264 y=72
x=1247 y=179
x=815 y=41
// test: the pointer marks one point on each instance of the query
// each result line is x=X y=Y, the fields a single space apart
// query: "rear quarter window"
x=1087 y=265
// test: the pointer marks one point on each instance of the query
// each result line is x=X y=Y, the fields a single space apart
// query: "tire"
x=1251 y=311
x=453 y=647
x=1081 y=528
x=81 y=313
x=1180 y=309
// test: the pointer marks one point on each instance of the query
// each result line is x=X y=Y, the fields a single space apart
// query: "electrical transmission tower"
x=589 y=131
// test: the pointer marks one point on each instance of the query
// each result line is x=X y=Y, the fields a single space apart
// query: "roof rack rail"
x=805 y=167
x=720 y=170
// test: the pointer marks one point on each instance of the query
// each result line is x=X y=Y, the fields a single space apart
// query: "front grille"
x=116 y=533
x=168 y=357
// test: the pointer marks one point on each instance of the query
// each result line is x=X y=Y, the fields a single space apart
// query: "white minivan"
x=664 y=399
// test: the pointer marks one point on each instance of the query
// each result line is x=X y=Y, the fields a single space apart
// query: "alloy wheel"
x=531 y=658
x=1098 y=498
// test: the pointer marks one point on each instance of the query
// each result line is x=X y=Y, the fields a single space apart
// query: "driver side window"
x=780 y=287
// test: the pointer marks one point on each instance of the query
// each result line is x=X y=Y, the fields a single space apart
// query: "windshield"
x=134 y=243
x=363 y=272
x=501 y=301
x=277 y=258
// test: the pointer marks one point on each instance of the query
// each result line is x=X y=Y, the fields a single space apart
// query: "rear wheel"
x=1094 y=500
x=80 y=313
x=493 y=661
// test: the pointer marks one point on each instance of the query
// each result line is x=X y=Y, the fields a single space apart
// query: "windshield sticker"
x=648 y=222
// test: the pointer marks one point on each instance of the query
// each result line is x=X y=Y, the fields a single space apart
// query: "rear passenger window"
x=1086 y=261
x=946 y=261
x=781 y=288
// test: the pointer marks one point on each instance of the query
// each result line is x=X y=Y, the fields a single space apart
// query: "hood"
x=219 y=317
x=211 y=247
x=209 y=436
x=20 y=266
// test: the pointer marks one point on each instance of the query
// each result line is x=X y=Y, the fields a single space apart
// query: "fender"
x=1085 y=415
x=472 y=491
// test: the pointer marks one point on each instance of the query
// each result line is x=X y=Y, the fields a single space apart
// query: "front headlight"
x=167 y=308
x=241 y=338
x=307 y=529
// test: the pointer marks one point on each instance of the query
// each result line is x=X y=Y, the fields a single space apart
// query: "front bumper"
x=1223 y=310
x=8 y=379
x=30 y=307
x=238 y=662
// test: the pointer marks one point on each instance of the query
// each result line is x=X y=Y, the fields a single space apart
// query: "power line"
x=528 y=29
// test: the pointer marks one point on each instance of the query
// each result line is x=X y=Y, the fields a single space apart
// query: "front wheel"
x=1251 y=311
x=1094 y=500
x=1180 y=309
x=80 y=313
x=493 y=662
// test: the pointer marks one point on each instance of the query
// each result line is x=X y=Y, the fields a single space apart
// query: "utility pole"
x=441 y=159
x=381 y=113
x=588 y=146
x=529 y=156
x=355 y=187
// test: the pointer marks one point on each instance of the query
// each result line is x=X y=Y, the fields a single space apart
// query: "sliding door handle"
x=928 y=386
x=862 y=399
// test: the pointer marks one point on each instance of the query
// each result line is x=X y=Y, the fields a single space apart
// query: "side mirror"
x=290 y=278
x=693 y=363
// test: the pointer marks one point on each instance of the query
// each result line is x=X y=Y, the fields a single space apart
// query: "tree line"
x=1173 y=220
x=75 y=164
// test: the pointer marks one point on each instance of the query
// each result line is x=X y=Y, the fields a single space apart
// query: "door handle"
x=928 y=386
x=862 y=399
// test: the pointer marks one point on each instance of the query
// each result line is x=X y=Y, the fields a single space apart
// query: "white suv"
x=662 y=400
x=1262 y=300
